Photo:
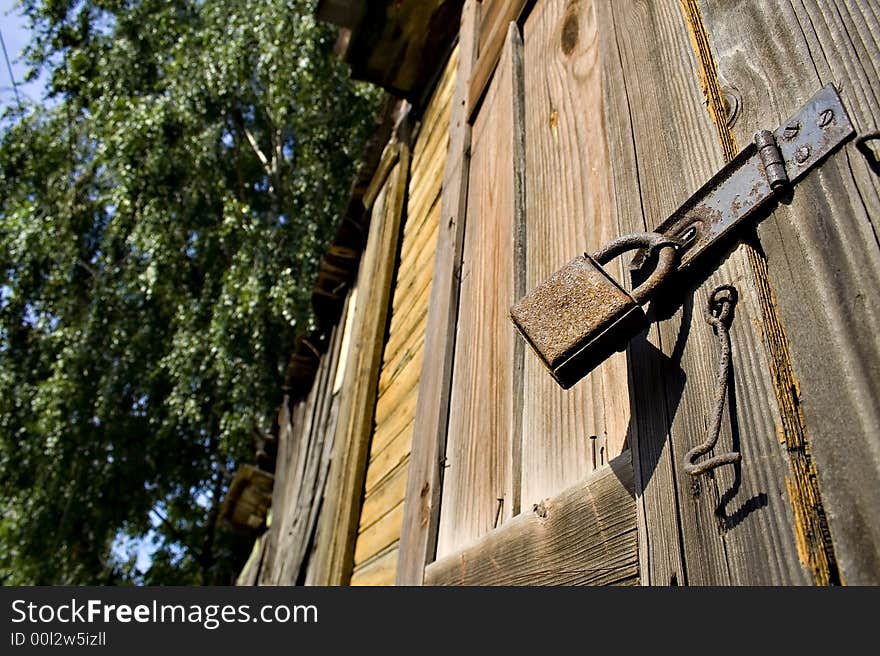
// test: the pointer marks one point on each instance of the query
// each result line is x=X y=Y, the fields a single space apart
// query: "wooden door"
x=588 y=120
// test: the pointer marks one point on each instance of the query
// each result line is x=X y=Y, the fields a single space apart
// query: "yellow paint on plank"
x=379 y=571
x=385 y=484
x=393 y=455
x=380 y=535
x=386 y=495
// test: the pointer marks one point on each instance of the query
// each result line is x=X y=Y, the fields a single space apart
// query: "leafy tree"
x=162 y=216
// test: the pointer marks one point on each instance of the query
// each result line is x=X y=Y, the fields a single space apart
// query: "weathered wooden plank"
x=568 y=198
x=392 y=456
x=379 y=535
x=341 y=510
x=398 y=431
x=383 y=496
x=301 y=468
x=492 y=35
x=818 y=267
x=379 y=570
x=251 y=571
x=481 y=482
x=478 y=488
x=385 y=482
x=584 y=536
x=734 y=527
x=419 y=527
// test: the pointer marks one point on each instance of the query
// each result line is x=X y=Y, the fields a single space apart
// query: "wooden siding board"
x=650 y=71
x=341 y=511
x=301 y=469
x=568 y=199
x=821 y=257
x=385 y=481
x=478 y=488
x=379 y=570
x=584 y=536
x=492 y=36
x=421 y=509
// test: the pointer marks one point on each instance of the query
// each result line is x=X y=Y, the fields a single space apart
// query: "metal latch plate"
x=741 y=187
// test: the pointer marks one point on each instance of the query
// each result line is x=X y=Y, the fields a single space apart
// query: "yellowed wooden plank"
x=380 y=535
x=404 y=380
x=403 y=354
x=434 y=153
x=432 y=139
x=391 y=430
x=419 y=216
x=387 y=494
x=396 y=405
x=419 y=273
x=378 y=571
x=408 y=322
x=416 y=242
x=396 y=453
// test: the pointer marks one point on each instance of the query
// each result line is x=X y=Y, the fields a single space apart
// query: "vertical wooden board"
x=481 y=436
x=385 y=480
x=338 y=524
x=301 y=469
x=424 y=485
x=823 y=261
x=568 y=199
x=735 y=527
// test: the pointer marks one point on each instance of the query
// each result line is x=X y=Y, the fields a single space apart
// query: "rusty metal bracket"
x=755 y=177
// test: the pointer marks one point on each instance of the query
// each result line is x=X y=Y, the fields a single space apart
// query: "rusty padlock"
x=580 y=316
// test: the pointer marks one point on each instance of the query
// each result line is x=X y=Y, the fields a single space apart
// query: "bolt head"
x=802 y=154
x=791 y=130
x=825 y=118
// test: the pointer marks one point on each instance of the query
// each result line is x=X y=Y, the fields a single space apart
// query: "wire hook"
x=719 y=314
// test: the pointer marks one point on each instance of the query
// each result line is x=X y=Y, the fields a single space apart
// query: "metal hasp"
x=771 y=164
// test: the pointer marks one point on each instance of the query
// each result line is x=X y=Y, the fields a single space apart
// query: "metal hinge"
x=758 y=174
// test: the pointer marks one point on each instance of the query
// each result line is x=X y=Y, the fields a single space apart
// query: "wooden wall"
x=613 y=114
x=375 y=555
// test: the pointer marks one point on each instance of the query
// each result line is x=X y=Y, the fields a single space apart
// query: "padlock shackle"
x=667 y=258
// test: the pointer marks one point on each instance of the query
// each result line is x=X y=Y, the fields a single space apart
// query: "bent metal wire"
x=719 y=315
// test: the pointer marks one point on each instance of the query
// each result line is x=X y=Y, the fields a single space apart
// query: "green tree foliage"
x=161 y=220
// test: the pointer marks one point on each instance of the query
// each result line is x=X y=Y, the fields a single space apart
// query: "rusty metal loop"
x=667 y=258
x=719 y=313
x=866 y=151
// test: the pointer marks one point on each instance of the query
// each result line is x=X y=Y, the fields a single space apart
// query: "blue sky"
x=15 y=35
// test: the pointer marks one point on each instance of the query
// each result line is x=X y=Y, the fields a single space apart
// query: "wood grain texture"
x=381 y=570
x=480 y=487
x=421 y=508
x=736 y=526
x=303 y=460
x=495 y=17
x=385 y=481
x=568 y=199
x=337 y=530
x=821 y=261
x=584 y=536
